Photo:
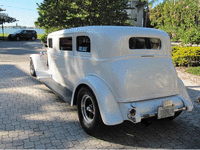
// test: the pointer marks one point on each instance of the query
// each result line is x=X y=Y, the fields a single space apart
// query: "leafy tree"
x=147 y=4
x=1 y=9
x=5 y=18
x=179 y=18
x=74 y=13
x=59 y=14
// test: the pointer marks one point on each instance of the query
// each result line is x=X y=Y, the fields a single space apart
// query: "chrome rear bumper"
x=155 y=114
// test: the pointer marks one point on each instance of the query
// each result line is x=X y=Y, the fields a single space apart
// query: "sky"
x=25 y=11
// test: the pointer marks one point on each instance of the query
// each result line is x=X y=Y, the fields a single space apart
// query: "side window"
x=83 y=43
x=50 y=43
x=144 y=43
x=66 y=43
x=24 y=32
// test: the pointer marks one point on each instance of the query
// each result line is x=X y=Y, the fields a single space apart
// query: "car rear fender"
x=183 y=95
x=108 y=106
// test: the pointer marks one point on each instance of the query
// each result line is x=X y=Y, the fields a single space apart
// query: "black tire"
x=47 y=63
x=88 y=113
x=33 y=38
x=17 y=38
x=32 y=69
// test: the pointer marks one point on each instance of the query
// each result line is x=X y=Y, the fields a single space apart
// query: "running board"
x=59 y=90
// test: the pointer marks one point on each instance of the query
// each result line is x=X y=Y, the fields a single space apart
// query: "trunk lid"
x=142 y=78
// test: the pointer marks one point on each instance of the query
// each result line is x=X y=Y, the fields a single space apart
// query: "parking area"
x=32 y=116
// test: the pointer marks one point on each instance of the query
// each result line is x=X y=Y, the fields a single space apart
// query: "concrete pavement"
x=32 y=116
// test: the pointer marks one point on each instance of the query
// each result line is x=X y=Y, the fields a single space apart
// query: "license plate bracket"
x=167 y=110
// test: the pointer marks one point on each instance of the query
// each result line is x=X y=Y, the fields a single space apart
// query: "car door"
x=64 y=59
x=23 y=34
x=83 y=64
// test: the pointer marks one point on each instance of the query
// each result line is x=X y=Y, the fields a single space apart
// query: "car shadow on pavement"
x=16 y=48
x=32 y=116
x=182 y=132
x=12 y=77
x=160 y=134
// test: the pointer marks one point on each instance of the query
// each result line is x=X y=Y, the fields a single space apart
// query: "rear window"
x=83 y=43
x=144 y=43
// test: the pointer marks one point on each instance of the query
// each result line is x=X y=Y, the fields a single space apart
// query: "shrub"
x=191 y=35
x=44 y=38
x=47 y=31
x=186 y=56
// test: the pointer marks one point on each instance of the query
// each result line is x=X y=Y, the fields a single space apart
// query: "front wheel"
x=17 y=38
x=32 y=69
x=88 y=112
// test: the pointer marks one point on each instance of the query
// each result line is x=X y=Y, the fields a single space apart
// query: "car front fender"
x=108 y=106
x=40 y=69
x=184 y=95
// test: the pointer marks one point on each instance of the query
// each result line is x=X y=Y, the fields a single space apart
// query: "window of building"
x=144 y=43
x=83 y=43
x=66 y=44
x=50 y=43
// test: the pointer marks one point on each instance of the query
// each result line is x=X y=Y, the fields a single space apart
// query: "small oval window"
x=50 y=43
x=144 y=43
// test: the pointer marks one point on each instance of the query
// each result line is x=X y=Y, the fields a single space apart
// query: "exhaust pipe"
x=132 y=114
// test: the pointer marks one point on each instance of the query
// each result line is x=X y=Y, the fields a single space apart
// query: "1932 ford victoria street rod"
x=112 y=74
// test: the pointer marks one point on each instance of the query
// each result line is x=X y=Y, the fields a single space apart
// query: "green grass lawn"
x=39 y=36
x=193 y=70
x=5 y=34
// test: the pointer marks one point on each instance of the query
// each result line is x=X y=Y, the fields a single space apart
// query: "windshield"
x=17 y=32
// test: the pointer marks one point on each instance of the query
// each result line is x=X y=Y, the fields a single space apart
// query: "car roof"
x=112 y=41
x=106 y=29
x=28 y=30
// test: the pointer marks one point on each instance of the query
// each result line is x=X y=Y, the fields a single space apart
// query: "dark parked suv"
x=23 y=34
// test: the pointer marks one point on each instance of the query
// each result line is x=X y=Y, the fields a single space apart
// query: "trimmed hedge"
x=186 y=56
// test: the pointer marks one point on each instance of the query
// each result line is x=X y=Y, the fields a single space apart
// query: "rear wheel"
x=33 y=38
x=17 y=38
x=32 y=69
x=88 y=112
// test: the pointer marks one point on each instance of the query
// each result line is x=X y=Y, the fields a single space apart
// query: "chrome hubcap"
x=87 y=108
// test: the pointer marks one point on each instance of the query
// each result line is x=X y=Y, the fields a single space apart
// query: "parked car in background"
x=112 y=74
x=23 y=35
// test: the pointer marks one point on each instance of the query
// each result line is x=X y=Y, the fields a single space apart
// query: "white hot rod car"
x=112 y=74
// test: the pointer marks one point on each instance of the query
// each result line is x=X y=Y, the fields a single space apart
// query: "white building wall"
x=136 y=13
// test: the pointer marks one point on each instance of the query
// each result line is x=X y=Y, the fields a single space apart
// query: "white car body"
x=121 y=79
